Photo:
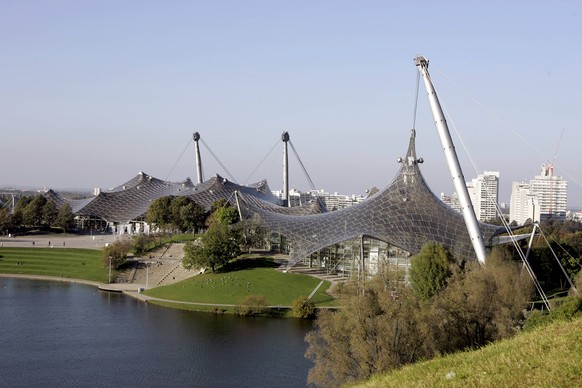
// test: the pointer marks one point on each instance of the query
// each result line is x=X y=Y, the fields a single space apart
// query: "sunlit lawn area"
x=547 y=357
x=61 y=262
x=250 y=276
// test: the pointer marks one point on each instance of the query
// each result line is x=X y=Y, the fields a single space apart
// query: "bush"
x=143 y=243
x=303 y=308
x=570 y=308
x=251 y=306
x=117 y=253
x=430 y=270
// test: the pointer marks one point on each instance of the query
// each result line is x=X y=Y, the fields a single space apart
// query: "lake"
x=73 y=335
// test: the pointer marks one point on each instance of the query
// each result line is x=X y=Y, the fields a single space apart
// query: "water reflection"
x=74 y=335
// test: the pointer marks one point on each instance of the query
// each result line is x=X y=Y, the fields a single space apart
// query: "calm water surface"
x=71 y=335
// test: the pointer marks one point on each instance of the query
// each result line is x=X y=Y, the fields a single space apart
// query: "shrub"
x=429 y=270
x=251 y=306
x=143 y=243
x=570 y=308
x=117 y=253
x=303 y=308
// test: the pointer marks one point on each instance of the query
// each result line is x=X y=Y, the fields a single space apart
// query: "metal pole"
x=196 y=137
x=147 y=274
x=285 y=138
x=453 y=162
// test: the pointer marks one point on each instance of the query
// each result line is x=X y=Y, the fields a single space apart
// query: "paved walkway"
x=96 y=241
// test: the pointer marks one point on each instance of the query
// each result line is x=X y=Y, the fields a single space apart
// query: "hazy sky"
x=92 y=92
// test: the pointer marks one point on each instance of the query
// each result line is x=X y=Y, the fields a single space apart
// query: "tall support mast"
x=196 y=137
x=285 y=138
x=453 y=162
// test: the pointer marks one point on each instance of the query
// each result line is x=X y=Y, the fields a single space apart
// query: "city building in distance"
x=484 y=194
x=544 y=197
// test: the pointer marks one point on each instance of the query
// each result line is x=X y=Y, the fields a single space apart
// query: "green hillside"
x=547 y=356
x=60 y=262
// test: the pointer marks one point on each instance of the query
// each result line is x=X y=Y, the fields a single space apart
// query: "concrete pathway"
x=96 y=241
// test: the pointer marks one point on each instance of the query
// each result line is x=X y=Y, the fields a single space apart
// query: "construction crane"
x=550 y=174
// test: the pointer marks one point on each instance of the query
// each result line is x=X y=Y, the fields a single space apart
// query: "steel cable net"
x=405 y=214
x=130 y=201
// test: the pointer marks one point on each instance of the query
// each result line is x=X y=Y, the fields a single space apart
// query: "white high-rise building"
x=552 y=193
x=523 y=205
x=484 y=193
x=544 y=197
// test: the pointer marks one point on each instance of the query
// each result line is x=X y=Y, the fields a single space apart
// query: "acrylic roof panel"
x=76 y=204
x=405 y=214
x=216 y=188
x=133 y=199
x=312 y=207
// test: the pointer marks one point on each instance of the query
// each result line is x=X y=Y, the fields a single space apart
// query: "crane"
x=550 y=174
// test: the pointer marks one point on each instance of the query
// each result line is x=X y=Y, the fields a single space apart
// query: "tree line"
x=36 y=212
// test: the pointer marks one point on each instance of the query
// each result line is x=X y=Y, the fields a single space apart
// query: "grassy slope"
x=247 y=277
x=61 y=262
x=547 y=356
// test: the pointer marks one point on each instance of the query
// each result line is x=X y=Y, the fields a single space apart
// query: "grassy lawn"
x=61 y=262
x=547 y=356
x=247 y=276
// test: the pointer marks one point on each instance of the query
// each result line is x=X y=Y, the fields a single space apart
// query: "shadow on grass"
x=248 y=263
x=323 y=300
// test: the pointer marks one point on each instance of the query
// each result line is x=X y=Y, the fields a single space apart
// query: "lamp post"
x=109 y=269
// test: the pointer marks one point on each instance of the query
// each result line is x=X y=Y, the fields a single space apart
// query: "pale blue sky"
x=92 y=92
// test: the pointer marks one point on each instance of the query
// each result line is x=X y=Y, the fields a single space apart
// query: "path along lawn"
x=256 y=276
x=71 y=263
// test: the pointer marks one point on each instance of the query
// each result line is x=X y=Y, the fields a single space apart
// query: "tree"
x=116 y=253
x=17 y=214
x=143 y=242
x=222 y=212
x=252 y=234
x=252 y=305
x=158 y=212
x=5 y=219
x=186 y=214
x=215 y=248
x=49 y=213
x=430 y=270
x=377 y=329
x=383 y=325
x=481 y=304
x=303 y=308
x=32 y=214
x=180 y=213
x=218 y=204
x=65 y=218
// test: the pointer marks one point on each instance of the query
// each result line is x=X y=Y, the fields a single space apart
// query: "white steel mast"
x=196 y=138
x=453 y=162
x=285 y=139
